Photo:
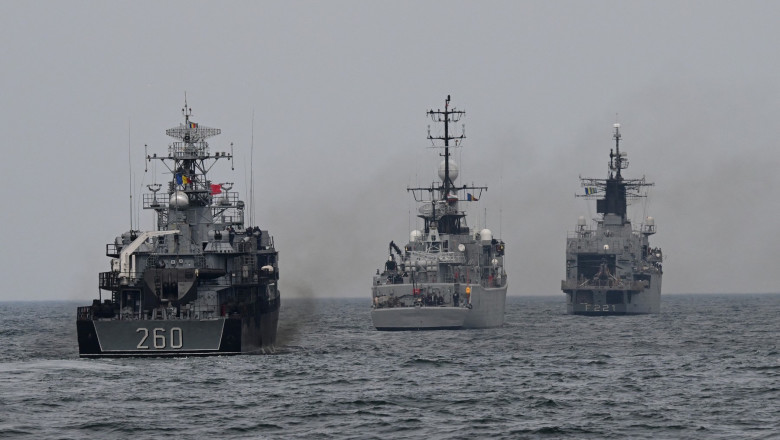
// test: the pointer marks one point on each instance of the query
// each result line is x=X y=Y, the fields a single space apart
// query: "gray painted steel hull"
x=177 y=337
x=419 y=318
x=647 y=301
x=487 y=309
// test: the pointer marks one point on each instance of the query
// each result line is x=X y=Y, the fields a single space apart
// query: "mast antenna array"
x=617 y=161
x=446 y=116
x=614 y=193
x=189 y=161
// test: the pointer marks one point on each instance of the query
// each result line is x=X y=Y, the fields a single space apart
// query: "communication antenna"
x=252 y=173
x=130 y=173
x=500 y=200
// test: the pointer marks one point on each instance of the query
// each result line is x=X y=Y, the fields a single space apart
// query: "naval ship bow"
x=201 y=283
x=447 y=276
x=613 y=269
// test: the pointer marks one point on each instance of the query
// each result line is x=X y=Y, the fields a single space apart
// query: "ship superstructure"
x=201 y=283
x=447 y=276
x=612 y=269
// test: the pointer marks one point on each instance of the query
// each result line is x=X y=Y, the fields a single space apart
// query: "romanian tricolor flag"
x=182 y=179
x=471 y=198
x=193 y=125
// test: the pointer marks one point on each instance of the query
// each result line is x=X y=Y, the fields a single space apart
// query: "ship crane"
x=126 y=257
x=395 y=247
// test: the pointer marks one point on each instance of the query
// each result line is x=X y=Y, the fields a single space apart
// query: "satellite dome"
x=453 y=170
x=486 y=235
x=179 y=200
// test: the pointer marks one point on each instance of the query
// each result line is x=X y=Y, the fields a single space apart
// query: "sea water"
x=707 y=367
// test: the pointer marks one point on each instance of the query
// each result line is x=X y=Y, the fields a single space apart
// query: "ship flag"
x=182 y=179
x=470 y=197
x=216 y=188
x=590 y=190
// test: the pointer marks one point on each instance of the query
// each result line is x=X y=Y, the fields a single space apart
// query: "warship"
x=201 y=283
x=447 y=276
x=613 y=270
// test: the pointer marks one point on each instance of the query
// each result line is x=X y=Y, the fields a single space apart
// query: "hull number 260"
x=160 y=340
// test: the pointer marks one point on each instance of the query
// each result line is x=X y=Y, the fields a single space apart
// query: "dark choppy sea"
x=707 y=367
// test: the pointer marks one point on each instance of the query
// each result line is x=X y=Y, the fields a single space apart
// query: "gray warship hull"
x=485 y=309
x=419 y=318
x=176 y=337
x=613 y=301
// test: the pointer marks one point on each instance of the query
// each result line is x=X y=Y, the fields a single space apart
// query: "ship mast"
x=615 y=189
x=189 y=161
x=617 y=161
x=446 y=116
x=189 y=155
x=442 y=212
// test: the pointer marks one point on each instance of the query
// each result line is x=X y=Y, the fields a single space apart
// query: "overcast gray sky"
x=339 y=90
